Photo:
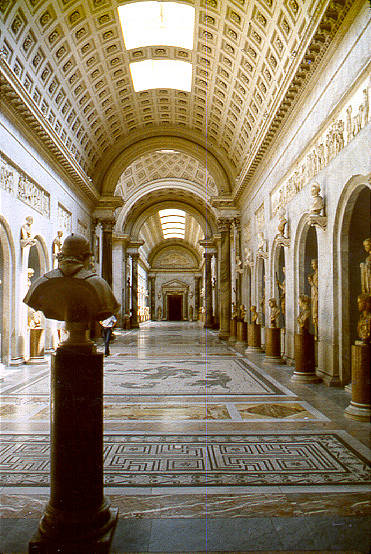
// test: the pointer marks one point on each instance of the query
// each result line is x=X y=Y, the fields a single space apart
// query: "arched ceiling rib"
x=68 y=59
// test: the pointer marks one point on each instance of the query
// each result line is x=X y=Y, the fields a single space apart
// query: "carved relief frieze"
x=14 y=181
x=339 y=131
x=64 y=219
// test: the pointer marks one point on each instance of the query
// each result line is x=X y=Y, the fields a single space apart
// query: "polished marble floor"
x=205 y=450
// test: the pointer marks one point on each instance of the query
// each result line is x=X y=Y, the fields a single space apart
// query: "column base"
x=253 y=349
x=223 y=336
x=36 y=360
x=359 y=412
x=41 y=544
x=304 y=359
x=305 y=377
x=272 y=360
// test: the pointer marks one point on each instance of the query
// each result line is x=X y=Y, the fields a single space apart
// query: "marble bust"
x=254 y=314
x=27 y=238
x=317 y=203
x=72 y=292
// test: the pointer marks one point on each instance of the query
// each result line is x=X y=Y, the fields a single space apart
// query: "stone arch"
x=143 y=146
x=344 y=305
x=8 y=292
x=173 y=243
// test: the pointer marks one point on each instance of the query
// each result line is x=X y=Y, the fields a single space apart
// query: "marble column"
x=197 y=295
x=134 y=290
x=225 y=277
x=208 y=291
x=237 y=240
x=152 y=283
x=107 y=226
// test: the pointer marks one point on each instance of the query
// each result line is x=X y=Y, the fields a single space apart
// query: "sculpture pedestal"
x=360 y=405
x=253 y=337
x=241 y=332
x=77 y=518
x=37 y=339
x=232 y=331
x=272 y=345
x=304 y=359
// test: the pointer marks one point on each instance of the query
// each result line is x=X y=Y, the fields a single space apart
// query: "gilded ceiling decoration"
x=66 y=70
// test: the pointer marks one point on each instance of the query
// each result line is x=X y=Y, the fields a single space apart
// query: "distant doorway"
x=174 y=307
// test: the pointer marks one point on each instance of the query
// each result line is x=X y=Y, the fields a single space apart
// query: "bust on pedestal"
x=273 y=335
x=78 y=518
x=253 y=332
x=304 y=346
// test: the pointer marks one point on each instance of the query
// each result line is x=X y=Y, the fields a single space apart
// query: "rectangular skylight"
x=149 y=74
x=173 y=223
x=157 y=23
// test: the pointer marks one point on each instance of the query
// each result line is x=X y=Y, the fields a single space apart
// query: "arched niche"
x=352 y=226
x=7 y=292
x=308 y=252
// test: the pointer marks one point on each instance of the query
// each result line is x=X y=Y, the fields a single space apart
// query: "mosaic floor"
x=195 y=431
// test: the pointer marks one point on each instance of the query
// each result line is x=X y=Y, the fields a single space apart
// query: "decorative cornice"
x=15 y=97
x=328 y=26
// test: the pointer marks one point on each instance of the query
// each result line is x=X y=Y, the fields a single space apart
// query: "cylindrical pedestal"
x=37 y=339
x=360 y=405
x=253 y=337
x=272 y=345
x=232 y=331
x=78 y=517
x=241 y=332
x=304 y=359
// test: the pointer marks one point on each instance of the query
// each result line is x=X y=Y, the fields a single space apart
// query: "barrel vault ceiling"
x=65 y=71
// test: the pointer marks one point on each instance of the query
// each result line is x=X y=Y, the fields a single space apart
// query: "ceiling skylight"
x=172 y=223
x=150 y=74
x=157 y=23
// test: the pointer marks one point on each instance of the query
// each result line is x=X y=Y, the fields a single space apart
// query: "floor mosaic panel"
x=259 y=459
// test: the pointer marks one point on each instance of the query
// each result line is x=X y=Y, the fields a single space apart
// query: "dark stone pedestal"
x=360 y=405
x=241 y=332
x=272 y=345
x=78 y=518
x=304 y=359
x=232 y=331
x=37 y=338
x=253 y=337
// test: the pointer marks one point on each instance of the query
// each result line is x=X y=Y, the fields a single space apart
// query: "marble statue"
x=366 y=268
x=275 y=312
x=317 y=204
x=254 y=314
x=27 y=238
x=364 y=322
x=313 y=282
x=282 y=223
x=248 y=256
x=304 y=313
x=242 y=312
x=35 y=320
x=30 y=274
x=56 y=248
x=262 y=242
x=238 y=264
x=72 y=292
x=282 y=291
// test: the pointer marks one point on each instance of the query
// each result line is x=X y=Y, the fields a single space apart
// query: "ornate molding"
x=318 y=221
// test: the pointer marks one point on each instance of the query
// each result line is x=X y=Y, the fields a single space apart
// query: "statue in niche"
x=282 y=222
x=274 y=312
x=72 y=292
x=30 y=274
x=262 y=242
x=348 y=125
x=159 y=313
x=34 y=319
x=364 y=322
x=366 y=268
x=248 y=256
x=317 y=204
x=282 y=291
x=313 y=282
x=254 y=314
x=56 y=248
x=238 y=264
x=27 y=238
x=304 y=313
x=242 y=312
x=365 y=104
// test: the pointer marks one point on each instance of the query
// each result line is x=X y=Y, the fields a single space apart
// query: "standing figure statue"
x=27 y=238
x=56 y=248
x=366 y=268
x=304 y=313
x=282 y=291
x=313 y=282
x=275 y=312
x=364 y=322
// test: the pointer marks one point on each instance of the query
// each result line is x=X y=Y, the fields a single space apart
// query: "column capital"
x=224 y=224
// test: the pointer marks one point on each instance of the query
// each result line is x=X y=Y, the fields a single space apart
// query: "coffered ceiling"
x=64 y=64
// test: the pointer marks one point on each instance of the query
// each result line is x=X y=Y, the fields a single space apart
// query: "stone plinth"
x=360 y=405
x=253 y=337
x=241 y=332
x=37 y=343
x=77 y=518
x=272 y=345
x=232 y=331
x=304 y=359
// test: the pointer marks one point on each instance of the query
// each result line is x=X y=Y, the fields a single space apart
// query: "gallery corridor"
x=206 y=449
